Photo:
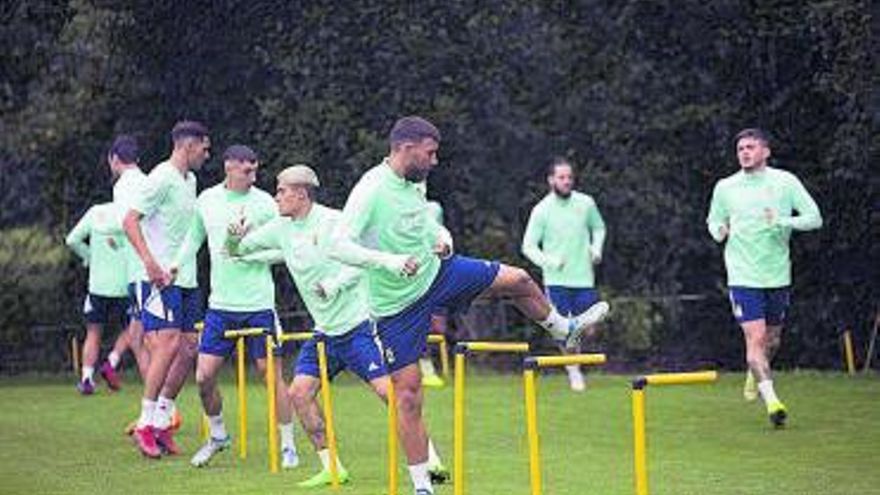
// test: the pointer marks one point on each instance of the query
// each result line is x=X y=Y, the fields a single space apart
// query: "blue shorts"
x=169 y=307
x=769 y=305
x=460 y=280
x=100 y=309
x=571 y=301
x=218 y=321
x=357 y=350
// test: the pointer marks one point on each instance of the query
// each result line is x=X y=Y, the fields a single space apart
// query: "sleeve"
x=345 y=243
x=808 y=217
x=77 y=236
x=718 y=214
x=155 y=188
x=347 y=276
x=267 y=256
x=195 y=237
x=596 y=224
x=263 y=239
x=532 y=238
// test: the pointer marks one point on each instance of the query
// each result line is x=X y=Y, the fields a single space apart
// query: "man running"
x=564 y=236
x=386 y=228
x=753 y=213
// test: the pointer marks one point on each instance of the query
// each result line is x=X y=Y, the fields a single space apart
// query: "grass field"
x=702 y=440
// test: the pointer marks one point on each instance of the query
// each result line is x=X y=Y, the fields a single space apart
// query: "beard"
x=416 y=174
x=560 y=193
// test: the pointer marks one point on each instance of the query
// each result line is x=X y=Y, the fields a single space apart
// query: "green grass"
x=702 y=440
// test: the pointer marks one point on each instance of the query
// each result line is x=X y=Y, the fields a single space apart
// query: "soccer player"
x=386 y=228
x=336 y=297
x=107 y=290
x=753 y=213
x=156 y=226
x=242 y=294
x=564 y=236
x=129 y=182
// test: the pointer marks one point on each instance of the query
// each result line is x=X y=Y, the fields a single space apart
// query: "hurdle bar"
x=640 y=446
x=462 y=350
x=531 y=365
x=239 y=336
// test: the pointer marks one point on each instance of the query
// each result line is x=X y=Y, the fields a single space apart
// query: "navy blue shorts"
x=100 y=309
x=769 y=305
x=459 y=281
x=571 y=301
x=218 y=321
x=169 y=307
x=357 y=350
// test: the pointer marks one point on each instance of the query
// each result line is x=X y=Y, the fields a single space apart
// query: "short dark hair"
x=241 y=153
x=412 y=129
x=188 y=129
x=555 y=162
x=752 y=132
x=125 y=147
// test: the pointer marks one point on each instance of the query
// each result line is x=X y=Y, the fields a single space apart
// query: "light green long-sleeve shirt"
x=305 y=244
x=385 y=220
x=562 y=237
x=236 y=285
x=103 y=254
x=128 y=187
x=758 y=210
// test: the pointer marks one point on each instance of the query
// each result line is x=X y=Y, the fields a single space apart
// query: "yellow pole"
x=458 y=424
x=328 y=412
x=590 y=359
x=496 y=346
x=204 y=428
x=392 y=439
x=848 y=350
x=271 y=380
x=640 y=448
x=242 y=398
x=444 y=358
x=682 y=378
x=74 y=354
x=532 y=430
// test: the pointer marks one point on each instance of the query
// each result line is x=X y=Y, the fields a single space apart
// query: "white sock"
x=164 y=410
x=286 y=430
x=433 y=458
x=420 y=478
x=766 y=389
x=113 y=358
x=324 y=455
x=427 y=366
x=216 y=427
x=148 y=409
x=556 y=324
x=88 y=373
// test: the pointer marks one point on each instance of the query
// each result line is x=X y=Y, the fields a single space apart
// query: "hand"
x=238 y=228
x=410 y=267
x=159 y=277
x=320 y=291
x=770 y=216
x=724 y=230
x=442 y=249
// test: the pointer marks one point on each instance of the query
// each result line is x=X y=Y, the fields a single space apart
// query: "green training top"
x=236 y=285
x=129 y=186
x=168 y=204
x=390 y=216
x=304 y=243
x=103 y=254
x=562 y=236
x=757 y=252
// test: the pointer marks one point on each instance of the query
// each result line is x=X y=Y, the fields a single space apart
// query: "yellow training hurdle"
x=640 y=446
x=530 y=368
